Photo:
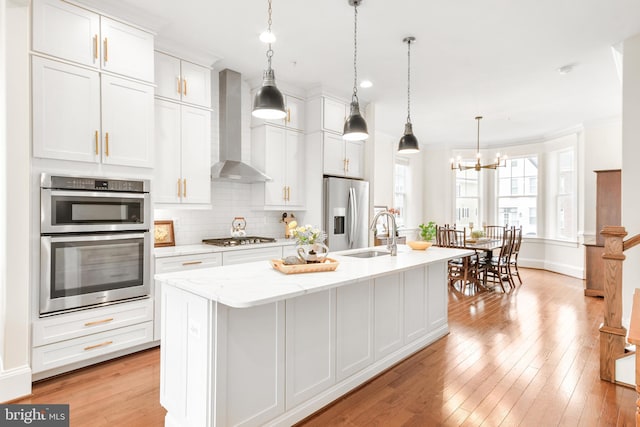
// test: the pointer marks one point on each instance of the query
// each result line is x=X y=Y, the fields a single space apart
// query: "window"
x=517 y=193
x=400 y=189
x=467 y=198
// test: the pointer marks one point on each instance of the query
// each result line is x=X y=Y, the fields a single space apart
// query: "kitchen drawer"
x=80 y=323
x=79 y=349
x=251 y=255
x=187 y=262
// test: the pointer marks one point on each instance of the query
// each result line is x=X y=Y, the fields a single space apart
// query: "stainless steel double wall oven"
x=94 y=242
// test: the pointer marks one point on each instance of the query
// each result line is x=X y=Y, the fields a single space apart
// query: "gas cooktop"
x=238 y=241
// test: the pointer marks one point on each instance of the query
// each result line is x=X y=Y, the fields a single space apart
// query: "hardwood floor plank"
x=527 y=358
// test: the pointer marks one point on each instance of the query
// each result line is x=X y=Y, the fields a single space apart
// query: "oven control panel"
x=101 y=184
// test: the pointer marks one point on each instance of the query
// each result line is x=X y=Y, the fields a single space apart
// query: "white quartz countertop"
x=256 y=283
x=169 y=251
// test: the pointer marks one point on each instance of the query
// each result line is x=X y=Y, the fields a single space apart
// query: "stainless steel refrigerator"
x=346 y=213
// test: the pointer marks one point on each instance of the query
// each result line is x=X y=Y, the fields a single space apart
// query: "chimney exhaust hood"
x=230 y=167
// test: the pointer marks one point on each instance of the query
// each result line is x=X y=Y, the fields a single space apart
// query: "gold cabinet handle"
x=284 y=193
x=106 y=143
x=179 y=85
x=179 y=188
x=347 y=165
x=288 y=115
x=99 y=322
x=344 y=165
x=105 y=48
x=102 y=344
x=95 y=46
x=184 y=185
x=184 y=89
x=288 y=194
x=96 y=141
x=192 y=263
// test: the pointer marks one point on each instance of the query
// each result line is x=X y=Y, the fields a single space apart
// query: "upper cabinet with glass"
x=72 y=33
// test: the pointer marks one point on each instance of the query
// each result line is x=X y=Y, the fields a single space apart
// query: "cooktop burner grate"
x=238 y=241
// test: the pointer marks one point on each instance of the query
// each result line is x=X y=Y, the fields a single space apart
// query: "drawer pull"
x=102 y=344
x=192 y=263
x=99 y=322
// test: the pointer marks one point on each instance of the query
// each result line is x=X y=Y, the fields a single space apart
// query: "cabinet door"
x=354 y=154
x=66 y=31
x=388 y=317
x=354 y=326
x=127 y=122
x=437 y=295
x=415 y=304
x=334 y=115
x=275 y=166
x=196 y=84
x=66 y=111
x=333 y=154
x=310 y=346
x=126 y=50
x=167 y=75
x=295 y=112
x=167 y=153
x=196 y=155
x=295 y=159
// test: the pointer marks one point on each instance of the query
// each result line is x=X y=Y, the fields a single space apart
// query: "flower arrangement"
x=428 y=232
x=477 y=234
x=306 y=234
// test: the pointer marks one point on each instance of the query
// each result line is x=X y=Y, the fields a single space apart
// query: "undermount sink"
x=368 y=254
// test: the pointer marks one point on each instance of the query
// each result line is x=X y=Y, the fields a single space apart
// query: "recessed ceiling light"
x=267 y=37
x=366 y=84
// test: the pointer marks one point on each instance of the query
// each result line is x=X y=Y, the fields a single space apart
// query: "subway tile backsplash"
x=228 y=201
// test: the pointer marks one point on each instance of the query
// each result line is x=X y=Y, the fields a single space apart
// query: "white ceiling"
x=496 y=58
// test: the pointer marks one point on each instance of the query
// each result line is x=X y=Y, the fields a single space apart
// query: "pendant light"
x=408 y=143
x=269 y=102
x=355 y=127
x=499 y=162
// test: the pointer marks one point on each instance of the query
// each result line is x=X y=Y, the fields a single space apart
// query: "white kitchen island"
x=248 y=345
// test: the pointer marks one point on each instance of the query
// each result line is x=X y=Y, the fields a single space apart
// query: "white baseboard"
x=15 y=383
x=566 y=269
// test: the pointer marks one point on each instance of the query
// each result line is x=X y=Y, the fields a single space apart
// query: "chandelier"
x=500 y=161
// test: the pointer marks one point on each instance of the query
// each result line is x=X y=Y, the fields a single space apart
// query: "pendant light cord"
x=269 y=51
x=478 y=139
x=409 y=81
x=355 y=51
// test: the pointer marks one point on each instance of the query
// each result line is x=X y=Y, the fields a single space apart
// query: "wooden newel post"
x=612 y=333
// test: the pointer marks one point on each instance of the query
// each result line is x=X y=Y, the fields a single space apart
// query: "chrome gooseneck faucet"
x=391 y=241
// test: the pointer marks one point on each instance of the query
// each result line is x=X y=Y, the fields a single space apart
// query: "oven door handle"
x=95 y=237
x=93 y=194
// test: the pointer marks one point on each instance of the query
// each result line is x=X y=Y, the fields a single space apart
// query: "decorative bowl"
x=419 y=245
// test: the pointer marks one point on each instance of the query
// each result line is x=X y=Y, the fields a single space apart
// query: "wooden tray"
x=329 y=264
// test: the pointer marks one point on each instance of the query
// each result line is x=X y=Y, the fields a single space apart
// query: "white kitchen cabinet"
x=66 y=111
x=416 y=303
x=310 y=346
x=182 y=80
x=280 y=153
x=127 y=122
x=436 y=296
x=183 y=152
x=73 y=121
x=75 y=337
x=178 y=263
x=250 y=255
x=342 y=158
x=76 y=34
x=295 y=118
x=354 y=328
x=334 y=113
x=388 y=315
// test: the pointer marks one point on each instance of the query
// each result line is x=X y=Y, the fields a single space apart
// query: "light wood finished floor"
x=527 y=358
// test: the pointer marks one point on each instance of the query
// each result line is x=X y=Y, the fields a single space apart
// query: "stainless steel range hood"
x=230 y=167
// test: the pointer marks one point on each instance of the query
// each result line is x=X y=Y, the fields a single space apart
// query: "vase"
x=312 y=253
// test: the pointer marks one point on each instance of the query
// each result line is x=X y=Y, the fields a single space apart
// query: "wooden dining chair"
x=497 y=268
x=463 y=270
x=494 y=231
x=515 y=250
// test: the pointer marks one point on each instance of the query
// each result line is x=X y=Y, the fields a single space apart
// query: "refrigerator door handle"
x=352 y=215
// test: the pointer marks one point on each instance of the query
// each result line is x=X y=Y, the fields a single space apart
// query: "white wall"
x=630 y=169
x=438 y=186
x=15 y=377
x=3 y=187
